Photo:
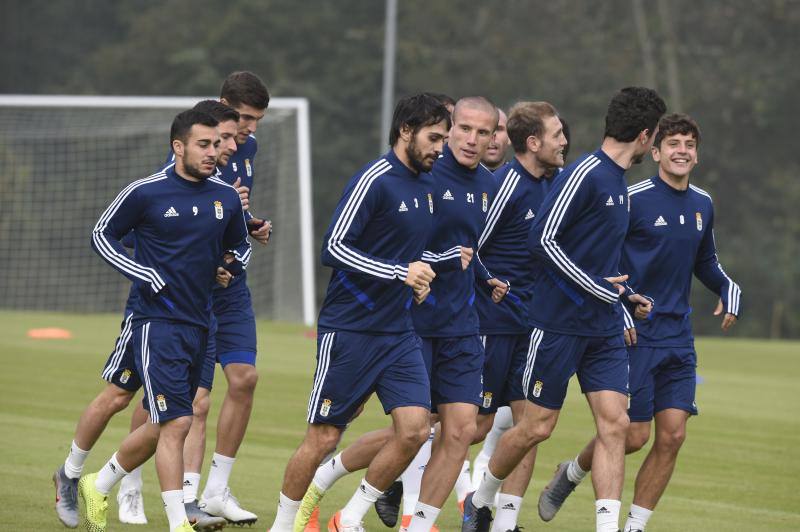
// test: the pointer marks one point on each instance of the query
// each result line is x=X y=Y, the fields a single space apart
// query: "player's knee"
x=483 y=427
x=411 y=437
x=116 y=399
x=176 y=428
x=323 y=439
x=636 y=439
x=614 y=426
x=200 y=407
x=243 y=381
x=671 y=440
x=461 y=434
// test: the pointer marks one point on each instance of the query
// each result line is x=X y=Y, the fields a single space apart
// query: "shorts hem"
x=388 y=409
x=237 y=357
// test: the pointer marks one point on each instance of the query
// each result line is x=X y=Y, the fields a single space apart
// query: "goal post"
x=64 y=158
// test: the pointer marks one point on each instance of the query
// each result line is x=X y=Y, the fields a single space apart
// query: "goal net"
x=63 y=159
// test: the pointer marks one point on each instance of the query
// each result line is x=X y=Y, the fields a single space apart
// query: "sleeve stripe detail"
x=631 y=191
x=107 y=251
x=499 y=203
x=641 y=184
x=555 y=218
x=335 y=245
x=734 y=293
x=430 y=256
x=700 y=191
x=627 y=316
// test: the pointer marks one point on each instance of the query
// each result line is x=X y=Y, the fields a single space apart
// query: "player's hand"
x=643 y=306
x=630 y=336
x=419 y=275
x=617 y=282
x=244 y=193
x=466 y=257
x=420 y=294
x=223 y=277
x=728 y=320
x=499 y=289
x=263 y=231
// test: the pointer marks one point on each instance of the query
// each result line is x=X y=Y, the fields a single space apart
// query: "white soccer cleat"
x=225 y=505
x=131 y=507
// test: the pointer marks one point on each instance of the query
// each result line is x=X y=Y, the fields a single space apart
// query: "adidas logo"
x=403 y=207
x=529 y=215
x=603 y=510
x=113 y=467
x=610 y=202
x=660 y=221
x=447 y=195
x=171 y=212
x=187 y=482
x=509 y=506
x=420 y=514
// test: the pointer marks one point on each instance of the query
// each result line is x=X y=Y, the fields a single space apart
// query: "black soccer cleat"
x=388 y=505
x=475 y=519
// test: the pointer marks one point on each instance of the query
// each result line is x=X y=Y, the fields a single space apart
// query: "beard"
x=417 y=158
x=196 y=172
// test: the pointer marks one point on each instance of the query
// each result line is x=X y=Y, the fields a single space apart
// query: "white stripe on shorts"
x=319 y=376
x=148 y=390
x=119 y=348
x=533 y=347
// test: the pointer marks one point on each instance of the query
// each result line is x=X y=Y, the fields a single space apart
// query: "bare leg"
x=236 y=407
x=657 y=468
x=319 y=442
x=638 y=434
x=411 y=426
x=608 y=463
x=195 y=446
x=169 y=452
x=94 y=419
x=517 y=482
x=359 y=454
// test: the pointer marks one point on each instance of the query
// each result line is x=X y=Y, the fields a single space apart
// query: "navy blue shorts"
x=455 y=367
x=120 y=368
x=350 y=366
x=506 y=355
x=600 y=362
x=661 y=378
x=236 y=328
x=169 y=360
x=210 y=362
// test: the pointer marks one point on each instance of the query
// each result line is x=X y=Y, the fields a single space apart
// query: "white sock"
x=132 y=481
x=284 y=519
x=191 y=483
x=412 y=476
x=173 y=505
x=424 y=517
x=484 y=495
x=574 y=472
x=361 y=501
x=73 y=465
x=507 y=512
x=218 y=475
x=329 y=472
x=109 y=475
x=479 y=465
x=607 y=512
x=503 y=420
x=463 y=482
x=637 y=518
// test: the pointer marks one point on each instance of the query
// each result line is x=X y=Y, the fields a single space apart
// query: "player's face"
x=227 y=144
x=496 y=152
x=249 y=117
x=552 y=143
x=199 y=153
x=677 y=155
x=426 y=145
x=470 y=135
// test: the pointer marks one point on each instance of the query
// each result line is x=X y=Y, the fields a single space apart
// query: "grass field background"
x=739 y=468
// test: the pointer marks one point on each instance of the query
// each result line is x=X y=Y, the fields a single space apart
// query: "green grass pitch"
x=739 y=469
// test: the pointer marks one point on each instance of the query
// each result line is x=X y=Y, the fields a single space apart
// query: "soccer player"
x=575 y=312
x=448 y=322
x=496 y=152
x=375 y=244
x=184 y=221
x=536 y=133
x=670 y=238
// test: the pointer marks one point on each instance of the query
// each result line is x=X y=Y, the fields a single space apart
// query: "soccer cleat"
x=461 y=507
x=95 y=504
x=555 y=493
x=66 y=498
x=186 y=527
x=131 y=507
x=202 y=521
x=226 y=505
x=313 y=523
x=475 y=519
x=308 y=506
x=335 y=524
x=388 y=505
x=405 y=522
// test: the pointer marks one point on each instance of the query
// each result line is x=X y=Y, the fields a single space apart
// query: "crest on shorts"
x=699 y=218
x=325 y=409
x=485 y=202
x=161 y=401
x=126 y=375
x=430 y=202
x=218 y=209
x=537 y=388
x=487 y=399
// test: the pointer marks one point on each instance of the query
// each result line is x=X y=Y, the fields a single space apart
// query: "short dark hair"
x=184 y=121
x=246 y=88
x=631 y=111
x=416 y=112
x=444 y=98
x=218 y=110
x=676 y=124
x=526 y=119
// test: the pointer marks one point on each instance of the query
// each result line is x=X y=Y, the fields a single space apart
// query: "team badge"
x=161 y=401
x=248 y=168
x=126 y=375
x=218 y=210
x=430 y=202
x=537 y=388
x=485 y=202
x=487 y=399
x=699 y=218
x=325 y=409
